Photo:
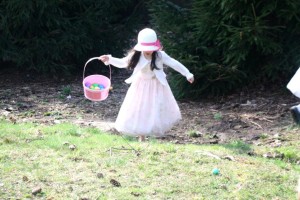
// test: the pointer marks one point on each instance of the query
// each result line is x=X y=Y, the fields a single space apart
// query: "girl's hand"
x=191 y=80
x=104 y=58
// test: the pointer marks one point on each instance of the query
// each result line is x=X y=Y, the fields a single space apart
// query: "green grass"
x=37 y=155
x=218 y=116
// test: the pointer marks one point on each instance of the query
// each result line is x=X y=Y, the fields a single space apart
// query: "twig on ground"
x=121 y=149
x=208 y=154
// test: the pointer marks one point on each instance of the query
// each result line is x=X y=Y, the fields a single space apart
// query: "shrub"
x=56 y=36
x=229 y=44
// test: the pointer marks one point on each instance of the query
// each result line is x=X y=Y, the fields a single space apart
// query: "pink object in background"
x=96 y=95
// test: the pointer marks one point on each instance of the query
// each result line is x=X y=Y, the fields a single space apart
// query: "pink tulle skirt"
x=149 y=108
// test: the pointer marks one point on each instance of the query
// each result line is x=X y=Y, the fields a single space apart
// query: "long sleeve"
x=119 y=62
x=171 y=62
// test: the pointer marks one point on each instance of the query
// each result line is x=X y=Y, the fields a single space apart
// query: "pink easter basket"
x=92 y=94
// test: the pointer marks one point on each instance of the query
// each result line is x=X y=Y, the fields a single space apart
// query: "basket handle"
x=95 y=58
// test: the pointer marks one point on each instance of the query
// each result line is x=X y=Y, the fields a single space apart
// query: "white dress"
x=294 y=84
x=149 y=107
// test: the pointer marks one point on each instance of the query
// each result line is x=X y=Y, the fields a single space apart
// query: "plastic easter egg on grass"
x=215 y=171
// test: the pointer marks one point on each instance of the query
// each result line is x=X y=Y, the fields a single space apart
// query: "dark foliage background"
x=59 y=36
x=227 y=44
x=230 y=44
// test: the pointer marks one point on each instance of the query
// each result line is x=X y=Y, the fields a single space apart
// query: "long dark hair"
x=136 y=57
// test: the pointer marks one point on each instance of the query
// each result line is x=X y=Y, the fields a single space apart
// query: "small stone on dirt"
x=72 y=147
x=231 y=158
x=36 y=190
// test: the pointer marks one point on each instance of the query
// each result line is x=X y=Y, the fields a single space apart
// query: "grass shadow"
x=238 y=146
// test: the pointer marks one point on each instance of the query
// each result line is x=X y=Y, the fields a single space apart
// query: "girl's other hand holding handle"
x=104 y=58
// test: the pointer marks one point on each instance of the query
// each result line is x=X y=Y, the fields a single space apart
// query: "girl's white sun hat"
x=147 y=41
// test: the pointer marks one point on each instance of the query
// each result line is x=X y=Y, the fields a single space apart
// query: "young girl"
x=149 y=107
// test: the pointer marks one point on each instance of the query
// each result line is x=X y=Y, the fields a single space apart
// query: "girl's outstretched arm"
x=117 y=62
x=171 y=62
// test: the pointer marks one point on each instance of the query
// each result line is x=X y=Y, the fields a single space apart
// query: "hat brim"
x=140 y=47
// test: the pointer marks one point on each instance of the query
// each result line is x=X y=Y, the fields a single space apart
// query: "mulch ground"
x=248 y=115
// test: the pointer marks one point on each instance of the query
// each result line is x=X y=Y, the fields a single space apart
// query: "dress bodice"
x=146 y=72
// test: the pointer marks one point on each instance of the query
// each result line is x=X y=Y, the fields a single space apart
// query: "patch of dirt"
x=247 y=116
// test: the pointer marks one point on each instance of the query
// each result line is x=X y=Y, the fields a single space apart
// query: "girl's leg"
x=141 y=138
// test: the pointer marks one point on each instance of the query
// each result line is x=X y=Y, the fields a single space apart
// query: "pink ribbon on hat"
x=157 y=44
